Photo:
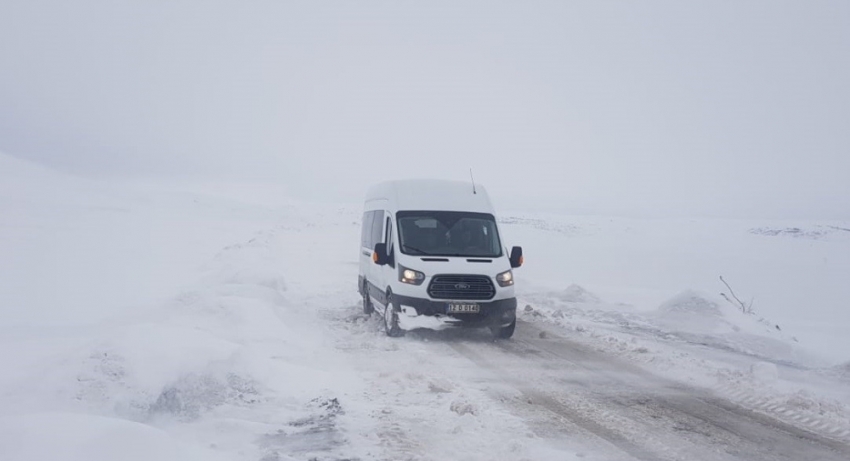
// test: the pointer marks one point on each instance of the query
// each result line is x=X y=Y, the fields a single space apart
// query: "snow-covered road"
x=626 y=412
x=567 y=401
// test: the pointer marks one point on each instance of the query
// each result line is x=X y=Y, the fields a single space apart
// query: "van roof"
x=431 y=194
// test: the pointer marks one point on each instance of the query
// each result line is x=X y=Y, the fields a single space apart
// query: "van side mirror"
x=379 y=256
x=516 y=257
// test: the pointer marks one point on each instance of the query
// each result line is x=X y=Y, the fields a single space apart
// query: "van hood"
x=433 y=265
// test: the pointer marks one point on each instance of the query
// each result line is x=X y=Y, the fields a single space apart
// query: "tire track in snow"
x=642 y=415
x=566 y=416
x=817 y=431
x=825 y=427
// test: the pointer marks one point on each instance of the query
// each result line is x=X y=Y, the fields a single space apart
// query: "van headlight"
x=410 y=276
x=505 y=279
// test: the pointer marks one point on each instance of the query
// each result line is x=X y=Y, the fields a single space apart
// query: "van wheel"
x=368 y=308
x=391 y=320
x=504 y=332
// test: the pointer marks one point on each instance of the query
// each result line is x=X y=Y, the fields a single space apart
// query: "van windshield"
x=448 y=233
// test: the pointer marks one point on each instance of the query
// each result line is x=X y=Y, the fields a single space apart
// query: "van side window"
x=366 y=229
x=388 y=237
x=377 y=228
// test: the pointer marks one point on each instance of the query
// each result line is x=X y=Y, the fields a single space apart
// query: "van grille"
x=461 y=287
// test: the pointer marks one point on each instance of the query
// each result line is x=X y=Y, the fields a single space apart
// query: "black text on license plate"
x=461 y=308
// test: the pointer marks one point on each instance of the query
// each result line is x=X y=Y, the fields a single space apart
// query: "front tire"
x=391 y=325
x=504 y=332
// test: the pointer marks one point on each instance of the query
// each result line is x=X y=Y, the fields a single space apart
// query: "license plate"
x=459 y=308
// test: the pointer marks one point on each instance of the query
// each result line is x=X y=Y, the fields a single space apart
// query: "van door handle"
x=367 y=253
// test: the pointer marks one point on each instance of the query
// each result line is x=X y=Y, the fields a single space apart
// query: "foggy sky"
x=660 y=108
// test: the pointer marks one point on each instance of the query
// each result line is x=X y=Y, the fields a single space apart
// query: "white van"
x=432 y=257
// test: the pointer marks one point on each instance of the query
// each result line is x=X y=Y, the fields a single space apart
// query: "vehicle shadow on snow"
x=457 y=334
x=374 y=324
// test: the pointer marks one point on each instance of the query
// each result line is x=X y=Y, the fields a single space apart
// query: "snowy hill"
x=153 y=322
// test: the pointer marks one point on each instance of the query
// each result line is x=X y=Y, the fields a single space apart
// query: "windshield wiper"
x=421 y=252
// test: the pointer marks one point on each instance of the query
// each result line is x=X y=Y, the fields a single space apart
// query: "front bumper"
x=425 y=313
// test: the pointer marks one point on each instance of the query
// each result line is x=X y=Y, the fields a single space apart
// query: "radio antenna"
x=473 y=181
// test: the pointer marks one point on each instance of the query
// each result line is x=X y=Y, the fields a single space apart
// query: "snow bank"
x=131 y=320
x=43 y=436
x=695 y=312
x=691 y=304
x=637 y=265
x=577 y=294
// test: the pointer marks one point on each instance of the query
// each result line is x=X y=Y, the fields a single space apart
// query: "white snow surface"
x=146 y=321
